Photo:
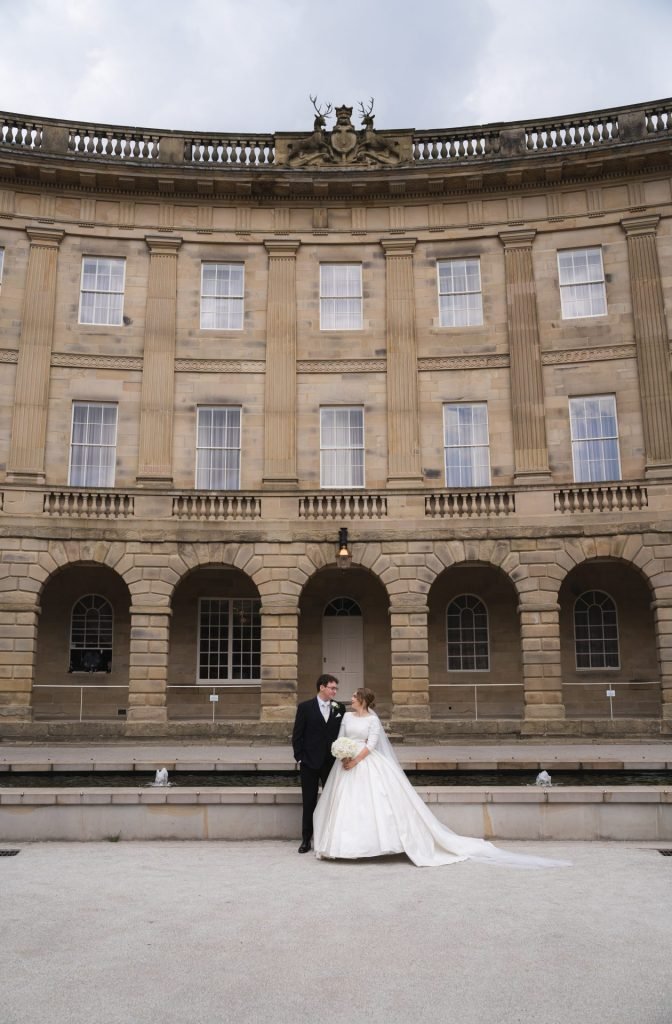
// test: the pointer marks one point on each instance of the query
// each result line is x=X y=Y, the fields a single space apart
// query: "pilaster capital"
x=46 y=238
x=282 y=248
x=647 y=225
x=159 y=245
x=521 y=238
x=398 y=246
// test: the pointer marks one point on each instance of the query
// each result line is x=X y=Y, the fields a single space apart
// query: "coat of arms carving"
x=344 y=144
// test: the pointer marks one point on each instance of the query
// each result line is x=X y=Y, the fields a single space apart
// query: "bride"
x=369 y=808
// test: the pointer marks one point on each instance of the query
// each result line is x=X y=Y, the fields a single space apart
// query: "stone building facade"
x=217 y=353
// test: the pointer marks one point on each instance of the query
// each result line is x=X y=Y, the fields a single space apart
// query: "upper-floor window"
x=582 y=290
x=93 y=445
x=594 y=432
x=460 y=298
x=222 y=296
x=466 y=444
x=341 y=297
x=91 y=635
x=342 y=446
x=218 y=448
x=102 y=292
x=596 y=631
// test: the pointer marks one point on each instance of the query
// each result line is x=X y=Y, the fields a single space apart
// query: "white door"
x=343 y=651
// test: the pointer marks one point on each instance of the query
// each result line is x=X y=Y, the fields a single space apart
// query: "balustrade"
x=113 y=143
x=216 y=506
x=88 y=503
x=613 y=498
x=570 y=133
x=448 y=145
x=470 y=503
x=228 y=149
x=26 y=134
x=658 y=118
x=343 y=506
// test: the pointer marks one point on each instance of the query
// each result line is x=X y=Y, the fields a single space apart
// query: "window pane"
x=102 y=291
x=342 y=447
x=582 y=290
x=341 y=297
x=467 y=451
x=460 y=300
x=218 y=448
x=93 y=445
x=222 y=296
x=594 y=431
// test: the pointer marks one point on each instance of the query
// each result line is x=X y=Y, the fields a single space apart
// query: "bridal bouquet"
x=344 y=748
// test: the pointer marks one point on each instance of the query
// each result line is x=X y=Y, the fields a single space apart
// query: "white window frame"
x=468 y=445
x=253 y=608
x=89 y=469
x=581 y=284
x=456 y=309
x=228 y=305
x=203 y=469
x=462 y=643
x=324 y=448
x=348 y=306
x=597 y=668
x=598 y=440
x=99 y=291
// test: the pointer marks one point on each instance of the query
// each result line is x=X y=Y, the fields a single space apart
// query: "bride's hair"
x=366 y=696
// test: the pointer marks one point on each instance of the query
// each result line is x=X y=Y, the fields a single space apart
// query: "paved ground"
x=207 y=932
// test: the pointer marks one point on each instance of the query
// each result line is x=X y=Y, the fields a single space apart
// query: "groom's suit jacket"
x=312 y=736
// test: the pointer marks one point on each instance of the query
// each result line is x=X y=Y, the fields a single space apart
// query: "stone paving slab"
x=175 y=932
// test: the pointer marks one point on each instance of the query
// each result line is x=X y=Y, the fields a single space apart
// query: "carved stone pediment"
x=343 y=145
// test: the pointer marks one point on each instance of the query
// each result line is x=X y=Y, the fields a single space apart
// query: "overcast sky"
x=249 y=65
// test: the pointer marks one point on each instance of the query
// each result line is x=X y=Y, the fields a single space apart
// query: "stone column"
x=279 y=658
x=403 y=426
x=540 y=651
x=280 y=379
x=31 y=396
x=148 y=666
x=157 y=398
x=653 y=358
x=19 y=618
x=662 y=612
x=527 y=386
x=410 y=656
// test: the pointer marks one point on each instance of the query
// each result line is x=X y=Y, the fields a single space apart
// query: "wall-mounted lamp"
x=343 y=558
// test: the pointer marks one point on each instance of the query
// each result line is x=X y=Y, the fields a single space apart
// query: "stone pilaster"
x=540 y=655
x=653 y=358
x=19 y=620
x=527 y=386
x=148 y=665
x=410 y=656
x=31 y=398
x=662 y=612
x=158 y=369
x=403 y=426
x=279 y=659
x=280 y=380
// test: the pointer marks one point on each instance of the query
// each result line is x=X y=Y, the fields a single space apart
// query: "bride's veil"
x=384 y=746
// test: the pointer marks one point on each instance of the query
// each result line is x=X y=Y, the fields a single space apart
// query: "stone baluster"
x=540 y=655
x=410 y=656
x=148 y=665
x=19 y=618
x=527 y=386
x=651 y=342
x=31 y=397
x=403 y=426
x=279 y=659
x=158 y=369
x=662 y=612
x=280 y=379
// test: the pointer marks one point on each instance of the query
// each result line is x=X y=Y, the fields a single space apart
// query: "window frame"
x=597 y=668
x=254 y=655
x=86 y=444
x=105 y=603
x=228 y=302
x=593 y=284
x=102 y=291
x=480 y=602
x=575 y=441
x=203 y=448
x=466 y=447
x=325 y=448
x=324 y=298
x=457 y=321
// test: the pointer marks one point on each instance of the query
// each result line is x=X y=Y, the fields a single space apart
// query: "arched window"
x=596 y=631
x=467 y=635
x=343 y=606
x=91 y=635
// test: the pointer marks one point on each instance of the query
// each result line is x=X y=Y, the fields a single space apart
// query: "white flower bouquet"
x=344 y=748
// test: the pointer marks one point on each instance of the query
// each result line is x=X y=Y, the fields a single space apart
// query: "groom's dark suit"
x=311 y=739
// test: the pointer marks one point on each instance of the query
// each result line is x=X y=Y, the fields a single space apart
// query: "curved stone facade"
x=219 y=352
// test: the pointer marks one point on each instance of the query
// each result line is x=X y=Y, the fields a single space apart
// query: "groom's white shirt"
x=325 y=708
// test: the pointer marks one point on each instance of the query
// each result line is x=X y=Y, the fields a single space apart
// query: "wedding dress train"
x=373 y=809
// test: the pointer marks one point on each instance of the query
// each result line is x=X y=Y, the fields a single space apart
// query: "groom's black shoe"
x=305 y=846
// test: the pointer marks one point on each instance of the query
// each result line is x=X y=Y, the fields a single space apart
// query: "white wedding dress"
x=373 y=809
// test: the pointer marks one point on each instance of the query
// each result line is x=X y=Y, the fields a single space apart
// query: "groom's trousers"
x=310 y=783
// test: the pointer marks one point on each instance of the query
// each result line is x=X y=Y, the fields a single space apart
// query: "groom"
x=315 y=728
